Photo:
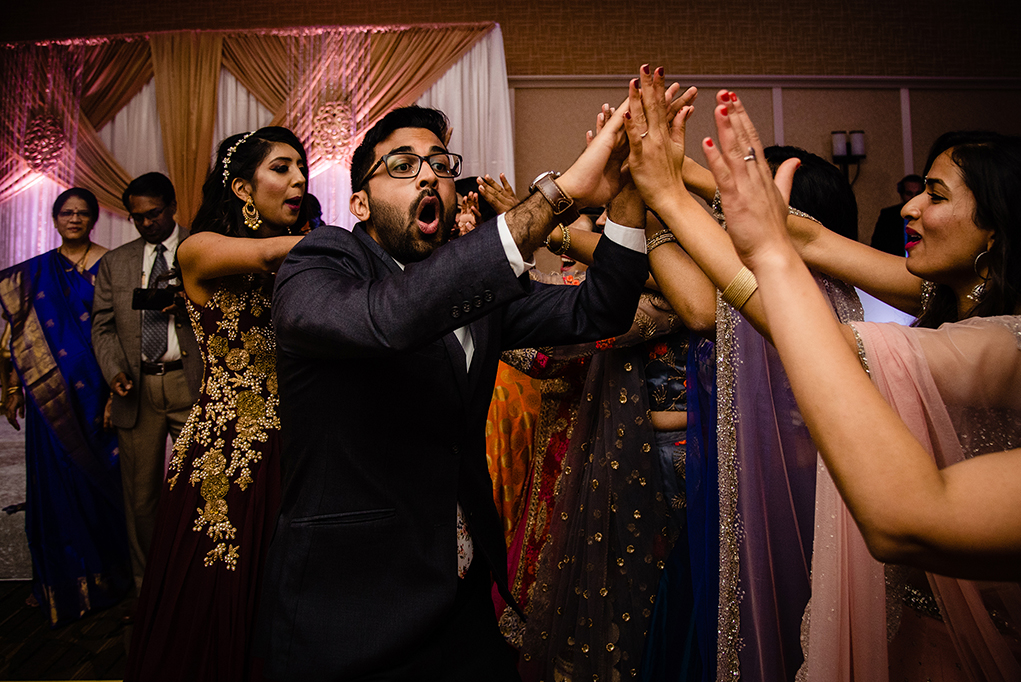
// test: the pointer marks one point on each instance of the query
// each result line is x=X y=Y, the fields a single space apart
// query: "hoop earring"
x=252 y=219
x=980 y=289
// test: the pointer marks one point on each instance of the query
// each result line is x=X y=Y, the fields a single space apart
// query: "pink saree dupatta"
x=956 y=389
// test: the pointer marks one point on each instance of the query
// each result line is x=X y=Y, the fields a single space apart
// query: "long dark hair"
x=990 y=164
x=221 y=208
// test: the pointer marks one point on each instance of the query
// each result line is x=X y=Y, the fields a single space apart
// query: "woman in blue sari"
x=74 y=510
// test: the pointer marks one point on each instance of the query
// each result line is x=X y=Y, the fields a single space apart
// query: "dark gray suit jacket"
x=384 y=433
x=117 y=330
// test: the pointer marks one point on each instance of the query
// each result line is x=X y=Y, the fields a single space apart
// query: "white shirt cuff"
x=629 y=237
x=510 y=247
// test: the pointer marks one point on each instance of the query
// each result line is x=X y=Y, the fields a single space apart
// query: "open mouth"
x=294 y=203
x=912 y=237
x=427 y=214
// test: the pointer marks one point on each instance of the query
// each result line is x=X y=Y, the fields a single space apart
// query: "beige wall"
x=811 y=115
x=934 y=112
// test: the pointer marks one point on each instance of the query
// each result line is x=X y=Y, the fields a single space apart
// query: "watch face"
x=540 y=176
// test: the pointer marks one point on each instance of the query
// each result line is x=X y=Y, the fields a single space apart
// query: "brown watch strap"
x=563 y=205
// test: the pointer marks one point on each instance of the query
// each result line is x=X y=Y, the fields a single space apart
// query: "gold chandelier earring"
x=252 y=219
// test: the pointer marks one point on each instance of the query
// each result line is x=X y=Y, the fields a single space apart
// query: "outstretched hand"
x=500 y=196
x=754 y=203
x=655 y=128
x=596 y=176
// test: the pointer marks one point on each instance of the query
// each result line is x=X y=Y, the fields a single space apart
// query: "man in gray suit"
x=150 y=359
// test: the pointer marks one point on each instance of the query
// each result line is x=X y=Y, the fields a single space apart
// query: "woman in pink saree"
x=900 y=443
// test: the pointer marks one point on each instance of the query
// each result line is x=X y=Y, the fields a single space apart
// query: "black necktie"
x=154 y=323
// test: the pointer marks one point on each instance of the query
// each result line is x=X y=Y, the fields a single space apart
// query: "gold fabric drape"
x=292 y=72
x=187 y=71
x=261 y=64
x=114 y=73
x=383 y=68
x=105 y=73
x=96 y=170
x=406 y=63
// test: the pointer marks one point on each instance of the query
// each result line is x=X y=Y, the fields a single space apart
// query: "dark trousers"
x=467 y=647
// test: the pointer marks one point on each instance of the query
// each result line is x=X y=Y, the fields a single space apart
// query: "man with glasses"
x=149 y=358
x=388 y=542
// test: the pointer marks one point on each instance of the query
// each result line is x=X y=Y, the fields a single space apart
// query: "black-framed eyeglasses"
x=405 y=165
x=151 y=216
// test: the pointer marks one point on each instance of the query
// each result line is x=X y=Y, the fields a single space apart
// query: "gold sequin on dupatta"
x=236 y=412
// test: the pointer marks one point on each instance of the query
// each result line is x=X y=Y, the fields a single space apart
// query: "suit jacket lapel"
x=455 y=352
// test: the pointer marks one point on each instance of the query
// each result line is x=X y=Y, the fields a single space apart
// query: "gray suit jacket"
x=117 y=330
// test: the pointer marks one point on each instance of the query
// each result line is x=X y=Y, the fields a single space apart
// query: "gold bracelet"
x=659 y=239
x=740 y=289
x=13 y=389
x=565 y=242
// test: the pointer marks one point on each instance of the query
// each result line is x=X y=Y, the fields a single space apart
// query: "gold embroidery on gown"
x=237 y=406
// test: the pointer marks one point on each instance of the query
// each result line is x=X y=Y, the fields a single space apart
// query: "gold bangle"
x=565 y=242
x=740 y=289
x=13 y=389
x=659 y=239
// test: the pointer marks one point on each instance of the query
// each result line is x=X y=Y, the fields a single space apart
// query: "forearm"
x=699 y=180
x=880 y=274
x=711 y=250
x=530 y=222
x=602 y=306
x=690 y=293
x=893 y=492
x=209 y=256
x=626 y=208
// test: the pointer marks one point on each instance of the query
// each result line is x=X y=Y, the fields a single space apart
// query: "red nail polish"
x=723 y=111
x=627 y=115
x=659 y=72
x=634 y=82
x=725 y=97
x=645 y=69
x=733 y=97
x=708 y=142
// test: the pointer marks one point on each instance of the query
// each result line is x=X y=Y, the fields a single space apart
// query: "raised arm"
x=690 y=292
x=882 y=275
x=656 y=163
x=207 y=256
x=948 y=521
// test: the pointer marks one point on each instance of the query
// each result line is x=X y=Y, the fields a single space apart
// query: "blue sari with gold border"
x=74 y=512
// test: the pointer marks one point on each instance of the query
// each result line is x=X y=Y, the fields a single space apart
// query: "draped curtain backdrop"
x=329 y=85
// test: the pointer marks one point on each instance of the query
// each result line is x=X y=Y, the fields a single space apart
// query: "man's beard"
x=399 y=233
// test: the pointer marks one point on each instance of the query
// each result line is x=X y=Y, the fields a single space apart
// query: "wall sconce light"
x=848 y=148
